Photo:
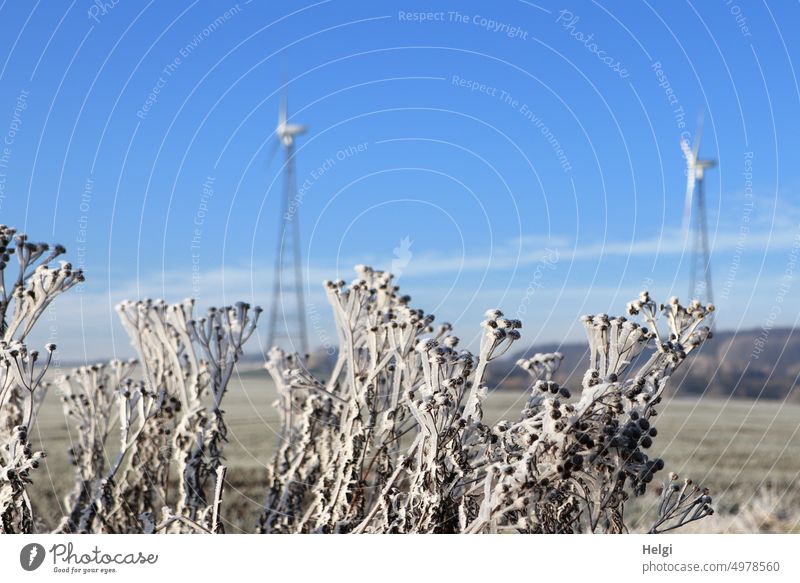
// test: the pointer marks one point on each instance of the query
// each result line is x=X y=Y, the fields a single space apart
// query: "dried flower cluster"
x=394 y=441
x=25 y=294
x=173 y=414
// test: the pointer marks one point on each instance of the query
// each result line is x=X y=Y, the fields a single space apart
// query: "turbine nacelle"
x=701 y=165
x=287 y=131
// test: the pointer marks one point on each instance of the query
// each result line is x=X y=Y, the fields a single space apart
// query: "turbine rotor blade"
x=276 y=143
x=687 y=205
x=283 y=112
x=698 y=135
x=688 y=154
x=691 y=177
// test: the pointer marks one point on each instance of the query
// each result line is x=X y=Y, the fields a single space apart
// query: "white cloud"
x=85 y=324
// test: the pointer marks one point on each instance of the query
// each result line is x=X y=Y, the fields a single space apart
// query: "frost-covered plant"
x=100 y=399
x=680 y=504
x=574 y=463
x=174 y=413
x=382 y=444
x=395 y=441
x=25 y=294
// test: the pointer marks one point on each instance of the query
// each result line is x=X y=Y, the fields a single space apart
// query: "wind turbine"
x=700 y=275
x=288 y=273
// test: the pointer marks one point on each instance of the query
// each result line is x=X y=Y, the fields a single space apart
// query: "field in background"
x=746 y=452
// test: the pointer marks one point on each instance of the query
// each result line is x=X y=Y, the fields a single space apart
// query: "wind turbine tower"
x=287 y=321
x=700 y=274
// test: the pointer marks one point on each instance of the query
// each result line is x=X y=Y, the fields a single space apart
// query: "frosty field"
x=744 y=451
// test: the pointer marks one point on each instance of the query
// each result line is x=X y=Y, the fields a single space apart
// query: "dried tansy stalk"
x=25 y=293
x=395 y=440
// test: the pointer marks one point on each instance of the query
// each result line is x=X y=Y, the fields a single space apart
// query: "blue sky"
x=493 y=154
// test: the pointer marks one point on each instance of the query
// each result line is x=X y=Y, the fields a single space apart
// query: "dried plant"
x=173 y=414
x=395 y=440
x=681 y=503
x=24 y=297
x=99 y=399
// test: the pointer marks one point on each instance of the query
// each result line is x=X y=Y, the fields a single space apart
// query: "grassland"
x=746 y=452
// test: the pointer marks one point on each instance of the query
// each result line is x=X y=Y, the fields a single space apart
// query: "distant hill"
x=727 y=365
